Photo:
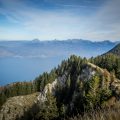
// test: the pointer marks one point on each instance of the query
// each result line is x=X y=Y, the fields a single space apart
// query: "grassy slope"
x=16 y=107
x=110 y=113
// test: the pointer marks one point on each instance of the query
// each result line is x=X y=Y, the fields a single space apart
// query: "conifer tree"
x=48 y=109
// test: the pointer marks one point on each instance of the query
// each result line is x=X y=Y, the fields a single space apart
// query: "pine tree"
x=48 y=109
x=68 y=82
x=92 y=95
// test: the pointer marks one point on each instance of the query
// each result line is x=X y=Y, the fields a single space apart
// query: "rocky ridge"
x=15 y=107
x=87 y=73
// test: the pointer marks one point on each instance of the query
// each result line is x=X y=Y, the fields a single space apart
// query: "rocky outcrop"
x=51 y=87
x=86 y=74
x=88 y=71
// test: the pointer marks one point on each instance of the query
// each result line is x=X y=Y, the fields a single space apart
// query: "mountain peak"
x=36 y=40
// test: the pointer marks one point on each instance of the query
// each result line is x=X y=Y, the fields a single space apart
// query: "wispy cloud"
x=73 y=20
x=106 y=22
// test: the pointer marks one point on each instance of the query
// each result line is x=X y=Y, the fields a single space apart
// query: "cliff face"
x=51 y=87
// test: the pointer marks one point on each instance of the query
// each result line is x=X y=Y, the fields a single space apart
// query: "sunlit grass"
x=112 y=113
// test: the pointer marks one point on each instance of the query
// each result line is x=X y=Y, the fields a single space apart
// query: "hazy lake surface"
x=25 y=60
x=25 y=69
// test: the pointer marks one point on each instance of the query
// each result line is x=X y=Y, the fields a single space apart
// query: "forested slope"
x=73 y=87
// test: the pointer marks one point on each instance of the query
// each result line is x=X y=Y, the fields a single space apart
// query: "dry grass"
x=105 y=114
x=16 y=106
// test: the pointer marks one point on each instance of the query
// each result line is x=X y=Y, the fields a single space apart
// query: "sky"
x=60 y=19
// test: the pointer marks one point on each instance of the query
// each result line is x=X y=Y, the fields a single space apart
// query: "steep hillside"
x=104 y=114
x=16 y=89
x=18 y=107
x=109 y=61
x=94 y=88
x=74 y=87
x=115 y=50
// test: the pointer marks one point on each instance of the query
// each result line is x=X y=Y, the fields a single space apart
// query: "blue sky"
x=60 y=19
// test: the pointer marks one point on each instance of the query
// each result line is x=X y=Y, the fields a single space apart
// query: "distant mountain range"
x=44 y=49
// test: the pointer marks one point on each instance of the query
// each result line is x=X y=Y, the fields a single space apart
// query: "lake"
x=25 y=60
x=25 y=69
